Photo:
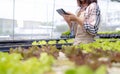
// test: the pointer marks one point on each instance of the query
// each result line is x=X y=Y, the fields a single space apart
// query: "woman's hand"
x=70 y=17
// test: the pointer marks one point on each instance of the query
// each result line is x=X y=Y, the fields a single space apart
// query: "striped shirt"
x=92 y=19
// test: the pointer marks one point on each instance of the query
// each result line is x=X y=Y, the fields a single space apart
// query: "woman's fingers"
x=70 y=17
x=70 y=13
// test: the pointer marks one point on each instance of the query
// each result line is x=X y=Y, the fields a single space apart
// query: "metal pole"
x=13 y=18
x=53 y=18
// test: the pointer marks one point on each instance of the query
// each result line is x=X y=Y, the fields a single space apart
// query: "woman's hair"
x=87 y=1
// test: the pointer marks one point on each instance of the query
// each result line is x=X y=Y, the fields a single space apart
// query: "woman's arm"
x=92 y=19
x=73 y=18
x=67 y=20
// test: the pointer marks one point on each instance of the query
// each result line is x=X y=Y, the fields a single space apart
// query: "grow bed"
x=6 y=45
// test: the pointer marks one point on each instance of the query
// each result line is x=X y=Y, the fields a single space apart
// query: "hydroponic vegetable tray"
x=6 y=45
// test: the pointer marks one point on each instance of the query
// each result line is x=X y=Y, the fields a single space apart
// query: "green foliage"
x=109 y=32
x=12 y=64
x=70 y=40
x=35 y=51
x=103 y=44
x=84 y=70
x=61 y=41
x=52 y=42
x=66 y=32
x=34 y=43
x=69 y=50
x=42 y=42
x=46 y=59
x=101 y=70
x=87 y=70
x=70 y=71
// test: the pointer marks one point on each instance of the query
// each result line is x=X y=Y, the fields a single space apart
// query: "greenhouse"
x=36 y=37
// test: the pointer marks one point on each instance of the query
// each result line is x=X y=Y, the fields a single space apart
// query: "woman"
x=85 y=22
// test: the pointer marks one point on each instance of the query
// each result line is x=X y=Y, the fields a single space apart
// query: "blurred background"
x=38 y=19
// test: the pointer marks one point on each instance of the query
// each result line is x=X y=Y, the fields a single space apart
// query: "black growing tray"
x=67 y=36
x=109 y=35
x=7 y=48
x=6 y=45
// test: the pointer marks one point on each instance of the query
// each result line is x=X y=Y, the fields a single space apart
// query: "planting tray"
x=68 y=36
x=109 y=35
x=5 y=47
